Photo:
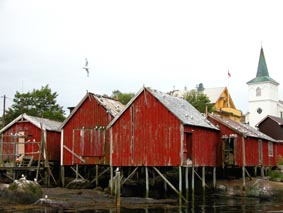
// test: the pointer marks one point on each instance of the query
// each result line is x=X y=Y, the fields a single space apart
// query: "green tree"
x=199 y=100
x=124 y=98
x=39 y=102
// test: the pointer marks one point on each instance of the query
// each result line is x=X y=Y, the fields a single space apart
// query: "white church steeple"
x=263 y=94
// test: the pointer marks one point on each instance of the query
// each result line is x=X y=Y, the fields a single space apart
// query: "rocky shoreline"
x=63 y=199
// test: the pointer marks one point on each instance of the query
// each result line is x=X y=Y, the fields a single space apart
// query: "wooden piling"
x=146 y=183
x=180 y=185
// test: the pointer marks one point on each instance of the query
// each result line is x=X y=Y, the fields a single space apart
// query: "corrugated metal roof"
x=240 y=128
x=47 y=124
x=112 y=106
x=182 y=109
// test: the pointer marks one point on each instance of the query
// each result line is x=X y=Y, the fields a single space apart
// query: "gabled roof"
x=262 y=74
x=110 y=105
x=182 y=109
x=277 y=120
x=213 y=93
x=240 y=128
x=47 y=124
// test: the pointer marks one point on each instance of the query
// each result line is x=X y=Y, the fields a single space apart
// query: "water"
x=208 y=203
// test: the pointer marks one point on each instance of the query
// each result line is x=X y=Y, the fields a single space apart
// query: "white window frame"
x=270 y=149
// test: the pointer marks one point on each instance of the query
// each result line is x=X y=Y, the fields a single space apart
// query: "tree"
x=124 y=98
x=199 y=100
x=40 y=103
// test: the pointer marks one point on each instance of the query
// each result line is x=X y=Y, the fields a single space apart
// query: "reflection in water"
x=202 y=203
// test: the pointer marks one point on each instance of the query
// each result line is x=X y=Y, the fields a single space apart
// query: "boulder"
x=80 y=184
x=23 y=191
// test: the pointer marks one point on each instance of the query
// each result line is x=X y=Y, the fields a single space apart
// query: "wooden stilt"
x=63 y=176
x=180 y=185
x=214 y=177
x=255 y=171
x=244 y=178
x=187 y=182
x=96 y=176
x=77 y=171
x=111 y=180
x=165 y=188
x=203 y=178
x=146 y=183
x=168 y=182
x=262 y=171
x=193 y=186
x=118 y=188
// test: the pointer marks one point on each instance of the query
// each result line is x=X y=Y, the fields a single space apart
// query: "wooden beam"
x=170 y=184
x=130 y=176
x=74 y=154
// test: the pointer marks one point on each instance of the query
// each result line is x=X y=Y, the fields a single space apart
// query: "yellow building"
x=221 y=99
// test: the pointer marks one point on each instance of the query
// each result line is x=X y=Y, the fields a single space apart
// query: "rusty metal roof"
x=46 y=124
x=113 y=107
x=240 y=128
x=182 y=109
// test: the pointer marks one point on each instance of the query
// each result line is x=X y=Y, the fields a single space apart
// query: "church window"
x=258 y=91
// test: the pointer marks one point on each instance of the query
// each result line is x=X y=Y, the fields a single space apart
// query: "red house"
x=244 y=146
x=84 y=140
x=157 y=129
x=273 y=127
x=23 y=137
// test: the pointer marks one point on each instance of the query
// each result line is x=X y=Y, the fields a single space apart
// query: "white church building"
x=263 y=96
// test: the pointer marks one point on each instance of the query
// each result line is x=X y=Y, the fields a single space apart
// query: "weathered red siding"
x=252 y=156
x=32 y=134
x=147 y=134
x=206 y=146
x=91 y=115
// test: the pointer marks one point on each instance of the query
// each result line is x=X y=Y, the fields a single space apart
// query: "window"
x=258 y=91
x=270 y=149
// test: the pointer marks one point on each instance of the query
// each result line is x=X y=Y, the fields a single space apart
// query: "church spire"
x=262 y=67
x=262 y=74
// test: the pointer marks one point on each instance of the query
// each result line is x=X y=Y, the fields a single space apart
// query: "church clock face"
x=259 y=110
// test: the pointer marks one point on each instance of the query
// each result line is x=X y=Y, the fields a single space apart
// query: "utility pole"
x=4 y=108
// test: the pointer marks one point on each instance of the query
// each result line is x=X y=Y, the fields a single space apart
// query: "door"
x=188 y=148
x=20 y=148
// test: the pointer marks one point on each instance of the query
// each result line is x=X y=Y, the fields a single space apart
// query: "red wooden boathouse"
x=84 y=140
x=23 y=135
x=244 y=146
x=159 y=130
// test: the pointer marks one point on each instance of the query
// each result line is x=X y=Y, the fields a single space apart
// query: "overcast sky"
x=160 y=44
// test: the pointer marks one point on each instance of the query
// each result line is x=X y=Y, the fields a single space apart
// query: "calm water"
x=208 y=203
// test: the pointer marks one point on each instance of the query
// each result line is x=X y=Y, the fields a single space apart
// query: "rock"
x=52 y=203
x=260 y=189
x=3 y=187
x=23 y=191
x=79 y=184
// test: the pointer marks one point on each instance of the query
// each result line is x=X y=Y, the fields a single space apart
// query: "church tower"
x=263 y=97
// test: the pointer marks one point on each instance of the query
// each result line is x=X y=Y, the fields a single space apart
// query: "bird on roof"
x=86 y=68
